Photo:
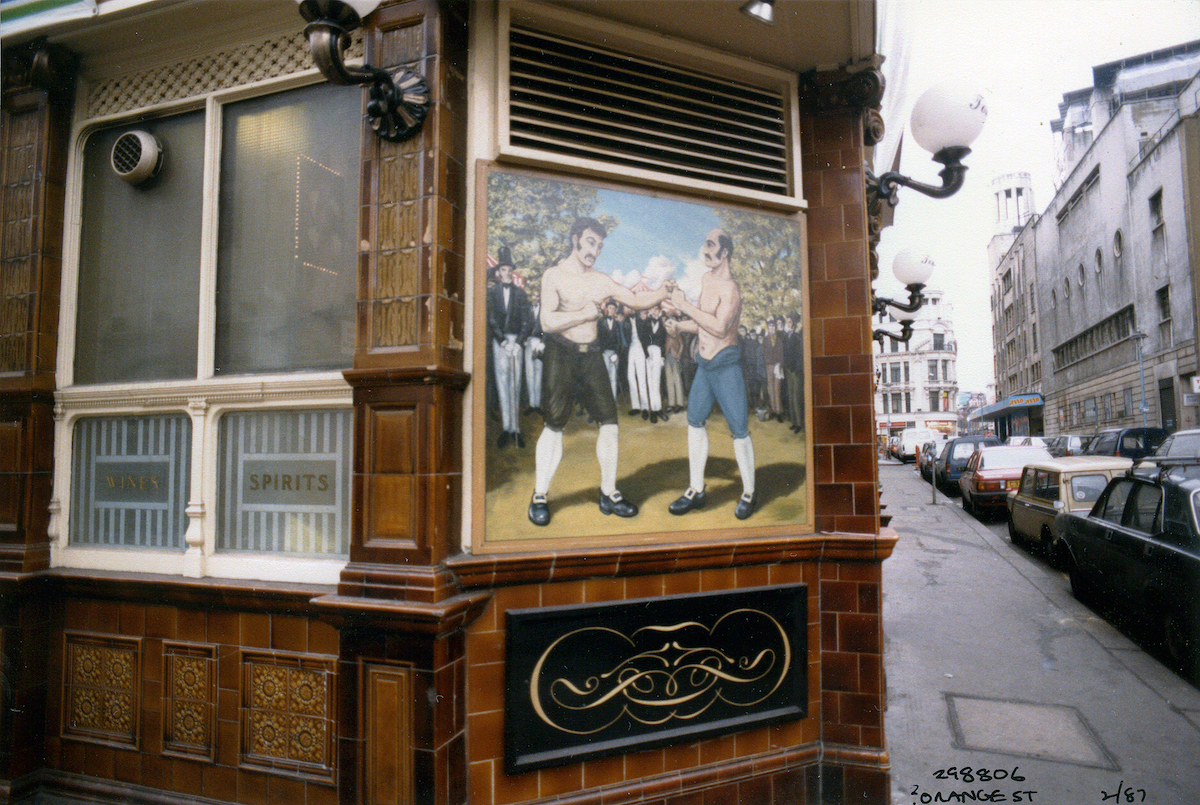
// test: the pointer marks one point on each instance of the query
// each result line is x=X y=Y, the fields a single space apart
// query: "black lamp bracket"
x=399 y=99
x=953 y=174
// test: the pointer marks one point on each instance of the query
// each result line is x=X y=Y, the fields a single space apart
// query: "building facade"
x=917 y=381
x=260 y=539
x=1093 y=301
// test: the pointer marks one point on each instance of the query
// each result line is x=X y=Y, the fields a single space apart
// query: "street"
x=1003 y=688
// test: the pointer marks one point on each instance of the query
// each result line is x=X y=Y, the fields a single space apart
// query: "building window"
x=934 y=401
x=1099 y=261
x=933 y=371
x=895 y=372
x=1109 y=407
x=1075 y=415
x=896 y=402
x=908 y=402
x=243 y=252
x=939 y=342
x=1156 y=210
x=886 y=407
x=1089 y=411
x=946 y=371
x=1166 y=335
x=1126 y=403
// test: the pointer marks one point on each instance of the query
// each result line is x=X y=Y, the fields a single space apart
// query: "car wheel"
x=1180 y=641
x=966 y=504
x=1079 y=585
x=1013 y=535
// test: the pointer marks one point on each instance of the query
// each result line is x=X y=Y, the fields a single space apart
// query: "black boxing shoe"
x=615 y=504
x=746 y=505
x=539 y=510
x=690 y=499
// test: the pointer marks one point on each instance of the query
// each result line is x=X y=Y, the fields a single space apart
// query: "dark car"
x=1180 y=444
x=953 y=458
x=1139 y=548
x=1132 y=443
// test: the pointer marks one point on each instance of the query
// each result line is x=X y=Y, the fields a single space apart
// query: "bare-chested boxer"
x=572 y=299
x=719 y=375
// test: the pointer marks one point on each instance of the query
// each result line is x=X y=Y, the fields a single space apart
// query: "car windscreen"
x=1011 y=459
x=962 y=450
x=1087 y=488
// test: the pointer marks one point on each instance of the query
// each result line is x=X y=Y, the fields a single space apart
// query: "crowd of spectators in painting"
x=649 y=368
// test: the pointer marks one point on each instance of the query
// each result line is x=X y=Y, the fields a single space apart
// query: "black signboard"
x=601 y=679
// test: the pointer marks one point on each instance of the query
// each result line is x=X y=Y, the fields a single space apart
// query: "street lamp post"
x=1138 y=338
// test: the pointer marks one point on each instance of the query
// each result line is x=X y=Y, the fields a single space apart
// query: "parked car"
x=928 y=455
x=1070 y=483
x=1139 y=548
x=910 y=440
x=992 y=472
x=1128 y=442
x=1026 y=441
x=1180 y=444
x=1068 y=444
x=953 y=458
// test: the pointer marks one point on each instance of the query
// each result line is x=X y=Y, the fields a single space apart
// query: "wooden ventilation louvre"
x=573 y=99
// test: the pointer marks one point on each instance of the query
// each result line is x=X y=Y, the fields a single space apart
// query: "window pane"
x=288 y=231
x=131 y=477
x=139 y=259
x=284 y=482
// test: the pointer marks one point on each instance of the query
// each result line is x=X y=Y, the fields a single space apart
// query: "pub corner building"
x=288 y=513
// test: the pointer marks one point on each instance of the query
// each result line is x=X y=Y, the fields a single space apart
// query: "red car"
x=992 y=472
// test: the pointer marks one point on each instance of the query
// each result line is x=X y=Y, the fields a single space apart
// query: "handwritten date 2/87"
x=1124 y=794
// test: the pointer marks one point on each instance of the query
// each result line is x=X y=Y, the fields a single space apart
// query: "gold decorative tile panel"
x=287 y=713
x=189 y=691
x=101 y=687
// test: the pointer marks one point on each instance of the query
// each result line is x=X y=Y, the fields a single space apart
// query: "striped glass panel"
x=131 y=480
x=283 y=482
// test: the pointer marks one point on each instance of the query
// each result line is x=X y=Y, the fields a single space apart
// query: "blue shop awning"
x=1009 y=405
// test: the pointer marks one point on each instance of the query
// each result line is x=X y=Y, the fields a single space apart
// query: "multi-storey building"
x=1093 y=301
x=917 y=382
x=261 y=537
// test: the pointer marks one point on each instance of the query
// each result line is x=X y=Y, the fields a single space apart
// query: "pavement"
x=1004 y=688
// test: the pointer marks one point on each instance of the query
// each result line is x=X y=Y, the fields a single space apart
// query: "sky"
x=1023 y=55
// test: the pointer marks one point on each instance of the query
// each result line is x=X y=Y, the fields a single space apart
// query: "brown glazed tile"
x=755 y=791
x=839 y=596
x=253 y=788
x=859 y=633
x=681 y=757
x=127 y=767
x=98 y=761
x=842 y=734
x=857 y=524
x=603 y=590
x=515 y=788
x=188 y=777
x=722 y=795
x=689 y=798
x=753 y=576
x=228 y=738
x=485 y=647
x=825 y=224
x=643 y=586
x=256 y=630
x=322 y=638
x=870 y=674
x=220 y=783
x=867 y=786
x=152 y=660
x=873 y=736
x=854 y=462
x=644 y=764
x=133 y=620
x=861 y=571
x=160 y=622
x=846 y=335
x=289 y=633
x=487 y=734
x=479 y=782
x=191 y=625
x=861 y=710
x=868 y=597
x=318 y=794
x=715 y=750
x=831 y=425
x=681 y=583
x=285 y=790
x=827 y=299
x=156 y=772
x=752 y=742
x=559 y=781
x=223 y=627
x=840 y=671
x=603 y=771
x=835 y=499
x=516 y=598
x=829 y=631
x=562 y=594
x=718 y=579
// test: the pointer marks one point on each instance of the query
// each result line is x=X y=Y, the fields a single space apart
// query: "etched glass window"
x=284 y=482
x=131 y=481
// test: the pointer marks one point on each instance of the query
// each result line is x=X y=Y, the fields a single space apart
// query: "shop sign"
x=589 y=680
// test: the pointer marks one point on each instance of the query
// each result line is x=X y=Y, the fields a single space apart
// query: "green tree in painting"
x=533 y=216
x=767 y=264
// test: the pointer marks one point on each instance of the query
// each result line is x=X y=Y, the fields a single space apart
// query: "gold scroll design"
x=590 y=679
